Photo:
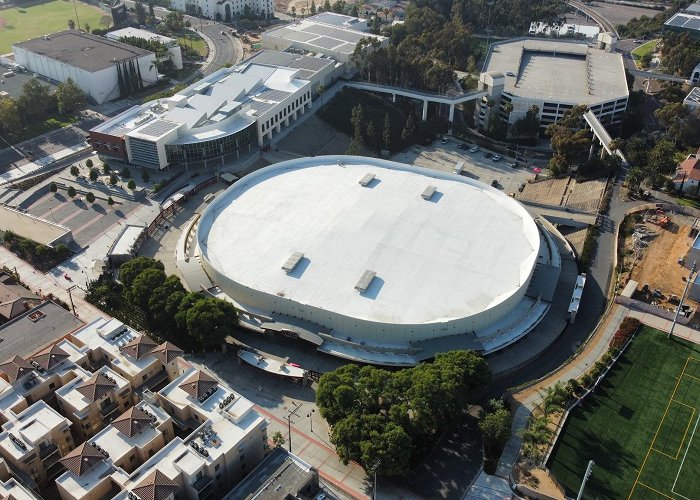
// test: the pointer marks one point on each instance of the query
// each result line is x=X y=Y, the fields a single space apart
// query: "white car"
x=444 y=140
x=496 y=158
x=474 y=149
x=510 y=73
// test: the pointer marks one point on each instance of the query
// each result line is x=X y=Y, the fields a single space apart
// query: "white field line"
x=690 y=441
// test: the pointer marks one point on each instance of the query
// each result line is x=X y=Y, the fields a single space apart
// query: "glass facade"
x=179 y=154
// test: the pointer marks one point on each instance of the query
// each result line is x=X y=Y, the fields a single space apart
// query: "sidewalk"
x=46 y=283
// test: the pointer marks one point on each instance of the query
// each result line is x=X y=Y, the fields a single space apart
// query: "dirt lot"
x=657 y=264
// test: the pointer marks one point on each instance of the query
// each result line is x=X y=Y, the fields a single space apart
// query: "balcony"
x=204 y=486
x=47 y=451
x=109 y=409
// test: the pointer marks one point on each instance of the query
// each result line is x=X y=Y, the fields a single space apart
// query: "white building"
x=368 y=258
x=554 y=75
x=692 y=100
x=211 y=120
x=333 y=35
x=91 y=61
x=225 y=10
x=174 y=52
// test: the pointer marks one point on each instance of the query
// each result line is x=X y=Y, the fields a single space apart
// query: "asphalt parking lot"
x=87 y=221
x=476 y=166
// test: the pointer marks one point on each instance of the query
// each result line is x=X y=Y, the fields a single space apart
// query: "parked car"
x=513 y=165
x=510 y=73
x=496 y=158
x=474 y=149
x=444 y=140
x=488 y=155
x=494 y=183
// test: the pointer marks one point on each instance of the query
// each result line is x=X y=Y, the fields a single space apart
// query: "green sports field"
x=639 y=426
x=30 y=19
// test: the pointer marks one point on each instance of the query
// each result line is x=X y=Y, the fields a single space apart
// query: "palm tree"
x=87 y=28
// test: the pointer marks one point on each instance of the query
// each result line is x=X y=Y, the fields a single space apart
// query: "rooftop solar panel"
x=326 y=43
x=158 y=128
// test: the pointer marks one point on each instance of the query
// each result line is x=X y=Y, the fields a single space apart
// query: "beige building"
x=34 y=441
x=94 y=399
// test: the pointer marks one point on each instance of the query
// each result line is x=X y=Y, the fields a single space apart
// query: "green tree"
x=372 y=134
x=110 y=201
x=187 y=302
x=126 y=173
x=313 y=7
x=53 y=187
x=278 y=439
x=529 y=125
x=391 y=448
x=175 y=21
x=131 y=269
x=356 y=120
x=660 y=162
x=143 y=286
x=131 y=184
x=495 y=426
x=90 y=197
x=140 y=10
x=71 y=24
x=71 y=191
x=164 y=303
x=105 y=168
x=409 y=129
x=86 y=27
x=210 y=321
x=386 y=134
x=10 y=122
x=69 y=97
x=36 y=100
x=89 y=163
x=74 y=171
x=93 y=174
x=113 y=180
x=568 y=139
x=146 y=176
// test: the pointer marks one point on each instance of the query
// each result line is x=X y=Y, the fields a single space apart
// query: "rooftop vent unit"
x=365 y=280
x=367 y=180
x=206 y=395
x=292 y=262
x=428 y=193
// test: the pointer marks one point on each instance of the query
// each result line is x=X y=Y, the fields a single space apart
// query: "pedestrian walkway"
x=680 y=331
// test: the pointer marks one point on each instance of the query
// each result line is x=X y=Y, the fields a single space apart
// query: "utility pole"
x=374 y=470
x=685 y=291
x=71 y=298
x=293 y=411
x=589 y=470
x=75 y=6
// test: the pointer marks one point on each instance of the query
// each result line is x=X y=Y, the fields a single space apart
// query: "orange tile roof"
x=156 y=486
x=82 y=459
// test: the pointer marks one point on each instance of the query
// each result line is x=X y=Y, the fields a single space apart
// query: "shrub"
x=587 y=380
x=157 y=187
x=131 y=185
x=113 y=179
x=126 y=173
x=110 y=201
x=589 y=245
x=145 y=176
x=88 y=163
x=574 y=386
x=624 y=332
x=105 y=168
x=93 y=174
x=74 y=171
x=71 y=192
x=90 y=197
x=53 y=187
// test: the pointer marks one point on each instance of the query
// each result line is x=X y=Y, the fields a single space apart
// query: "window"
x=217 y=467
x=145 y=376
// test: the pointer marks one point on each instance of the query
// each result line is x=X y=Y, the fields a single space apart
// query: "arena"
x=373 y=260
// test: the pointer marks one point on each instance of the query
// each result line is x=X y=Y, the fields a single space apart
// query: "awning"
x=304 y=330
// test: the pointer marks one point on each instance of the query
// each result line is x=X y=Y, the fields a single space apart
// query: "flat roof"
x=126 y=240
x=340 y=20
x=556 y=70
x=220 y=104
x=279 y=475
x=139 y=33
x=324 y=37
x=307 y=66
x=26 y=334
x=684 y=20
x=29 y=226
x=83 y=50
x=467 y=249
x=693 y=96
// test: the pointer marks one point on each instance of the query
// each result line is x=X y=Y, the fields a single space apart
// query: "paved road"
x=225 y=48
x=604 y=24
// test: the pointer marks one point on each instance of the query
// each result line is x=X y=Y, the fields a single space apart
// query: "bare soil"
x=657 y=264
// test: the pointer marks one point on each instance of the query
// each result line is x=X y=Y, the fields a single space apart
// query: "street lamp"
x=289 y=421
x=311 y=418
x=680 y=304
x=374 y=470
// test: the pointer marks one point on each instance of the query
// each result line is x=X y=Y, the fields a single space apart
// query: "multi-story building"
x=33 y=442
x=210 y=121
x=174 y=54
x=225 y=10
x=555 y=76
x=93 y=399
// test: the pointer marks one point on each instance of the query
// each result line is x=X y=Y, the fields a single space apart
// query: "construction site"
x=656 y=243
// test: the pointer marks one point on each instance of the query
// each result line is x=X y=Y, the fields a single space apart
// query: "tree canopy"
x=393 y=417
x=69 y=97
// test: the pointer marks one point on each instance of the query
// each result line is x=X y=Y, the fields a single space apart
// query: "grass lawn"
x=644 y=49
x=195 y=41
x=35 y=18
x=688 y=202
x=639 y=426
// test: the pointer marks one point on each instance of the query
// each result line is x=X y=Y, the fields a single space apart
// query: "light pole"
x=71 y=298
x=680 y=304
x=311 y=419
x=589 y=470
x=293 y=411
